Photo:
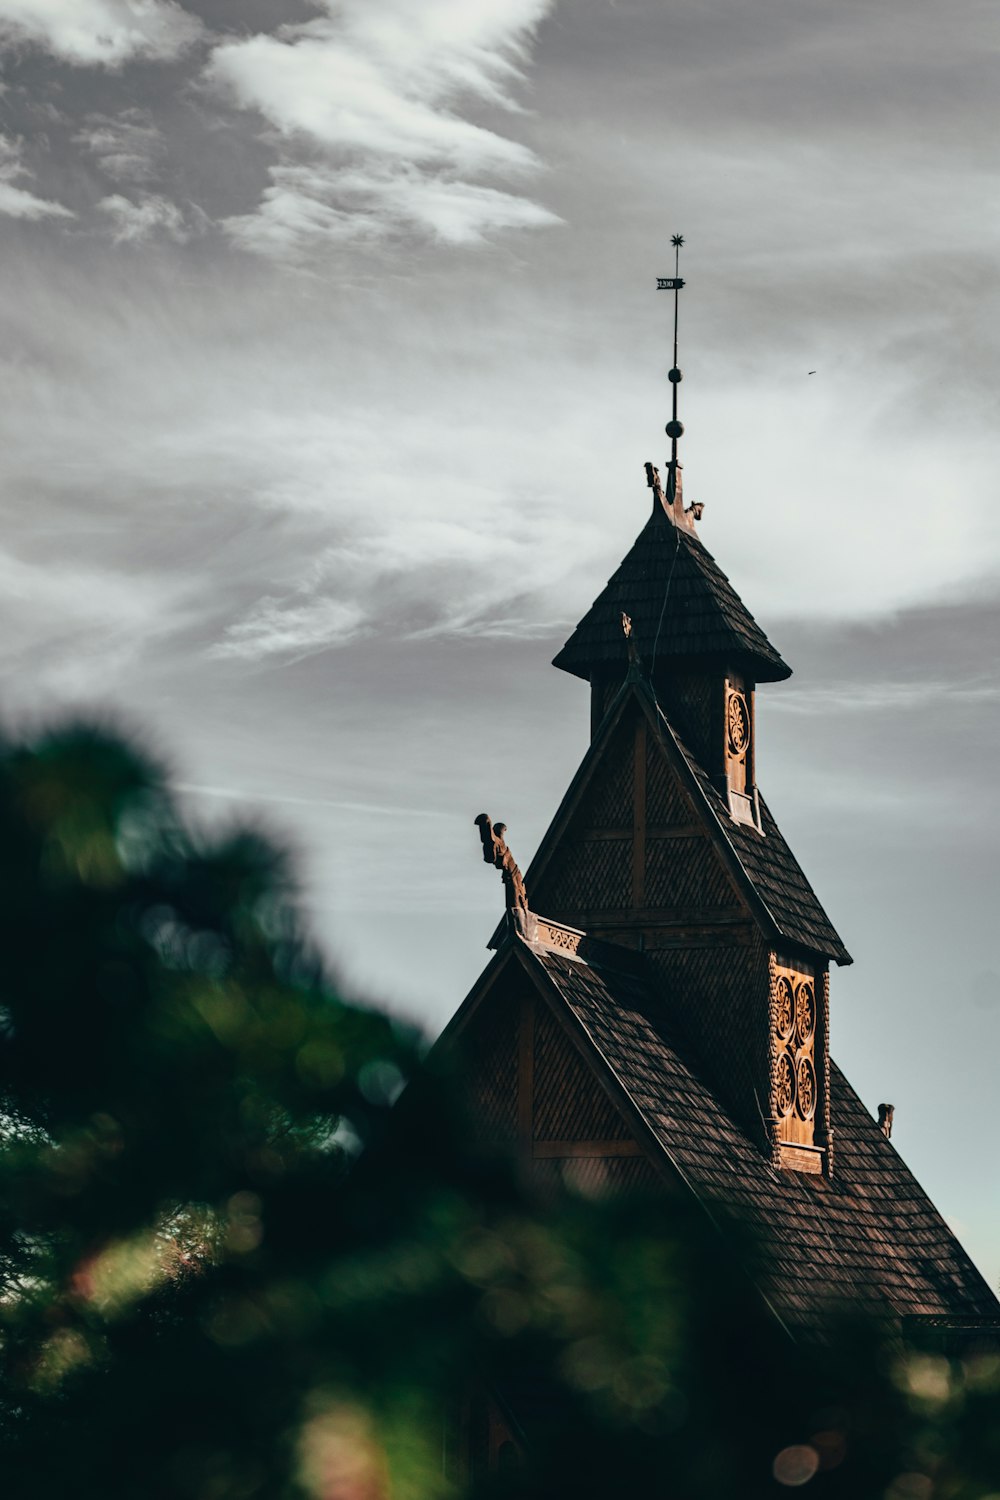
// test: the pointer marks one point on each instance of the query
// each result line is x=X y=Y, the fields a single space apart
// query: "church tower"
x=665 y=843
x=670 y=848
x=656 y=1015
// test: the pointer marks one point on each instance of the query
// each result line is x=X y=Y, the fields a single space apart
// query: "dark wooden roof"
x=774 y=874
x=703 y=618
x=869 y=1234
x=762 y=864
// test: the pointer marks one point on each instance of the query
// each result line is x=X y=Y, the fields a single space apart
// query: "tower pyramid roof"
x=681 y=604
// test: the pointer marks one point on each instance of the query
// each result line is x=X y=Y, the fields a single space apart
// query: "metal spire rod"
x=674 y=427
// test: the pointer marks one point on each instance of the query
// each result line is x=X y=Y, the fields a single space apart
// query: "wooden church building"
x=657 y=1010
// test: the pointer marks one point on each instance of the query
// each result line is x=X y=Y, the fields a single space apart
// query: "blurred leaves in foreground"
x=233 y=1265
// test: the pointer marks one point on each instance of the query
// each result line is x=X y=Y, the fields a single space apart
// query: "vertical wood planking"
x=639 y=816
x=526 y=1077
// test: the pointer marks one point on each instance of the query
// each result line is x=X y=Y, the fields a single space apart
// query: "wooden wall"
x=637 y=865
x=532 y=1094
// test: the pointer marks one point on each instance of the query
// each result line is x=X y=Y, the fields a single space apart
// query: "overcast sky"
x=331 y=357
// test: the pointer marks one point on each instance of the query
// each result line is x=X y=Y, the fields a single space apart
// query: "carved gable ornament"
x=798 y=1067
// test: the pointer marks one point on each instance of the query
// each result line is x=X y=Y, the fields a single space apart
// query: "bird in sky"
x=811 y=372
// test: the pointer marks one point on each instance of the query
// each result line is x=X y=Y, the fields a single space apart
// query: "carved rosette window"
x=796 y=1094
x=739 y=753
x=738 y=725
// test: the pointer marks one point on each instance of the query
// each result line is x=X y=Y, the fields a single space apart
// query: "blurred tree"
x=230 y=1267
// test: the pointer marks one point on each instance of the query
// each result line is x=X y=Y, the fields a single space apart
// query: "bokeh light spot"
x=910 y=1487
x=795 y=1465
x=928 y=1378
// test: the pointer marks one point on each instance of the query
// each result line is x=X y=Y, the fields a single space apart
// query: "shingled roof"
x=867 y=1234
x=762 y=863
x=774 y=875
x=703 y=615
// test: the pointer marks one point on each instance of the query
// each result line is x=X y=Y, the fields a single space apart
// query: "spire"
x=686 y=620
x=674 y=428
x=682 y=608
x=672 y=502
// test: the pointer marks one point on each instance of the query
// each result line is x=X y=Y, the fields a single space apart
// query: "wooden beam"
x=653 y=916
x=733 y=934
x=675 y=831
x=619 y=835
x=639 y=815
x=525 y=1076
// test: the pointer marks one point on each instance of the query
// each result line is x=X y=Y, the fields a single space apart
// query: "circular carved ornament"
x=805 y=1089
x=739 y=723
x=785 y=1008
x=784 y=1084
x=805 y=1010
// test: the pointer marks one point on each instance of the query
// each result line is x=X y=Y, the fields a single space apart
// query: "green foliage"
x=233 y=1265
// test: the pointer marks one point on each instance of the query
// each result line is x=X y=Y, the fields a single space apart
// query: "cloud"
x=138 y=220
x=275 y=627
x=72 y=627
x=128 y=148
x=432 y=577
x=379 y=809
x=889 y=697
x=18 y=202
x=104 y=33
x=371 y=105
x=307 y=202
x=320 y=87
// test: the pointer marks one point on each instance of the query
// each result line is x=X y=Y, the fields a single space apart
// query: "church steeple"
x=703 y=650
x=664 y=843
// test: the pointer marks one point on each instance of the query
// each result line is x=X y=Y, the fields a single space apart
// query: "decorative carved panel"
x=795 y=1090
x=738 y=725
x=738 y=749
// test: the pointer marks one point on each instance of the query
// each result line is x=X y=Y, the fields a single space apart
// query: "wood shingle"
x=867 y=1233
x=700 y=614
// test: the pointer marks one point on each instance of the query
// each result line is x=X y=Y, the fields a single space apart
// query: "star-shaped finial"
x=677 y=240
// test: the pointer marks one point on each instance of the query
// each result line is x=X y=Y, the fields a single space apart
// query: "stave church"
x=656 y=1014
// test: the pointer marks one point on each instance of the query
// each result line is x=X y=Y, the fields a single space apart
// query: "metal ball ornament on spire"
x=674 y=428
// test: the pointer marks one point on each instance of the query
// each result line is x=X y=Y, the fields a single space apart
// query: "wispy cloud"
x=291 y=627
x=17 y=202
x=888 y=697
x=128 y=148
x=236 y=794
x=336 y=82
x=79 y=625
x=432 y=577
x=372 y=104
x=104 y=33
x=140 y=218
x=305 y=203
